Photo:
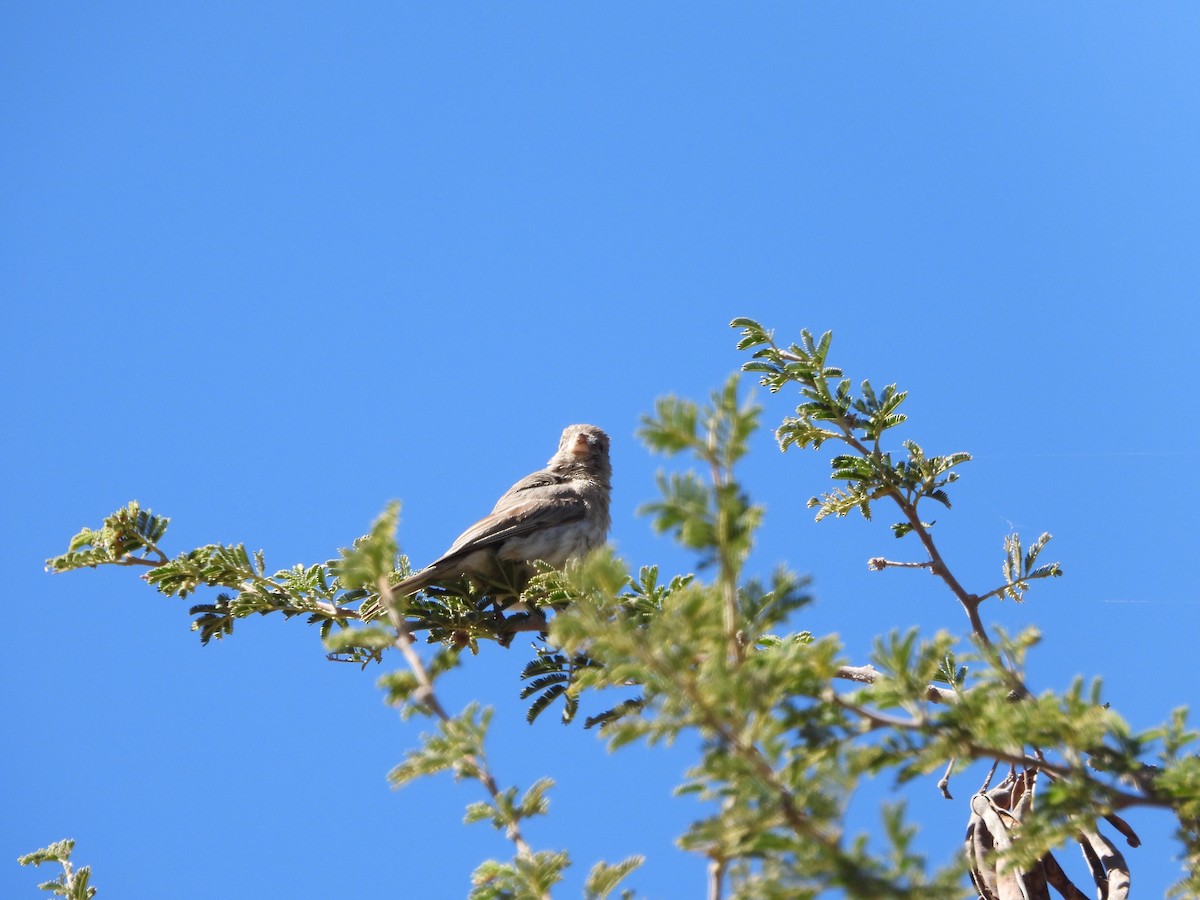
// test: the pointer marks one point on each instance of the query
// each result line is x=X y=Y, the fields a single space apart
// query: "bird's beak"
x=580 y=446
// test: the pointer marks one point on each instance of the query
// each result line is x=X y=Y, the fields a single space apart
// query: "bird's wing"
x=539 y=508
x=534 y=482
x=545 y=507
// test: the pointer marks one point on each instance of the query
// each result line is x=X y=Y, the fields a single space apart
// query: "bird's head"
x=584 y=445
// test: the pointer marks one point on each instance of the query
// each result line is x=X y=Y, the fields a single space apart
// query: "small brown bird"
x=553 y=515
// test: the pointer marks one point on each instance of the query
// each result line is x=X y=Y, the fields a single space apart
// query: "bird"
x=554 y=515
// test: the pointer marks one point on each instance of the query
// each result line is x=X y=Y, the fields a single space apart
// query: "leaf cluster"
x=331 y=595
x=1021 y=566
x=72 y=883
x=129 y=536
x=832 y=411
x=713 y=516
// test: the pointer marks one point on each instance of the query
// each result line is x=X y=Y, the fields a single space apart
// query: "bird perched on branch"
x=553 y=515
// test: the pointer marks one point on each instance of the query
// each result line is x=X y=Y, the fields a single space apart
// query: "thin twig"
x=870 y=675
x=1117 y=798
x=865 y=674
x=879 y=563
x=505 y=627
x=944 y=783
x=750 y=753
x=716 y=879
x=141 y=561
x=969 y=602
x=718 y=863
x=721 y=477
x=428 y=698
x=937 y=565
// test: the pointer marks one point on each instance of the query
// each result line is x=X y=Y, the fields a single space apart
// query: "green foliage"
x=505 y=809
x=360 y=643
x=551 y=675
x=524 y=878
x=1020 y=567
x=778 y=759
x=714 y=517
x=456 y=747
x=71 y=883
x=990 y=714
x=402 y=685
x=782 y=748
x=330 y=595
x=372 y=557
x=604 y=878
x=128 y=537
x=832 y=411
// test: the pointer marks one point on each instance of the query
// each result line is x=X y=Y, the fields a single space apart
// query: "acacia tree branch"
x=426 y=695
x=944 y=782
x=864 y=674
x=1117 y=798
x=970 y=602
x=716 y=879
x=845 y=423
x=750 y=754
x=142 y=561
x=721 y=476
x=288 y=602
x=870 y=675
x=879 y=563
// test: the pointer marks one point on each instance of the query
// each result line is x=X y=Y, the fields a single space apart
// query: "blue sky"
x=267 y=266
